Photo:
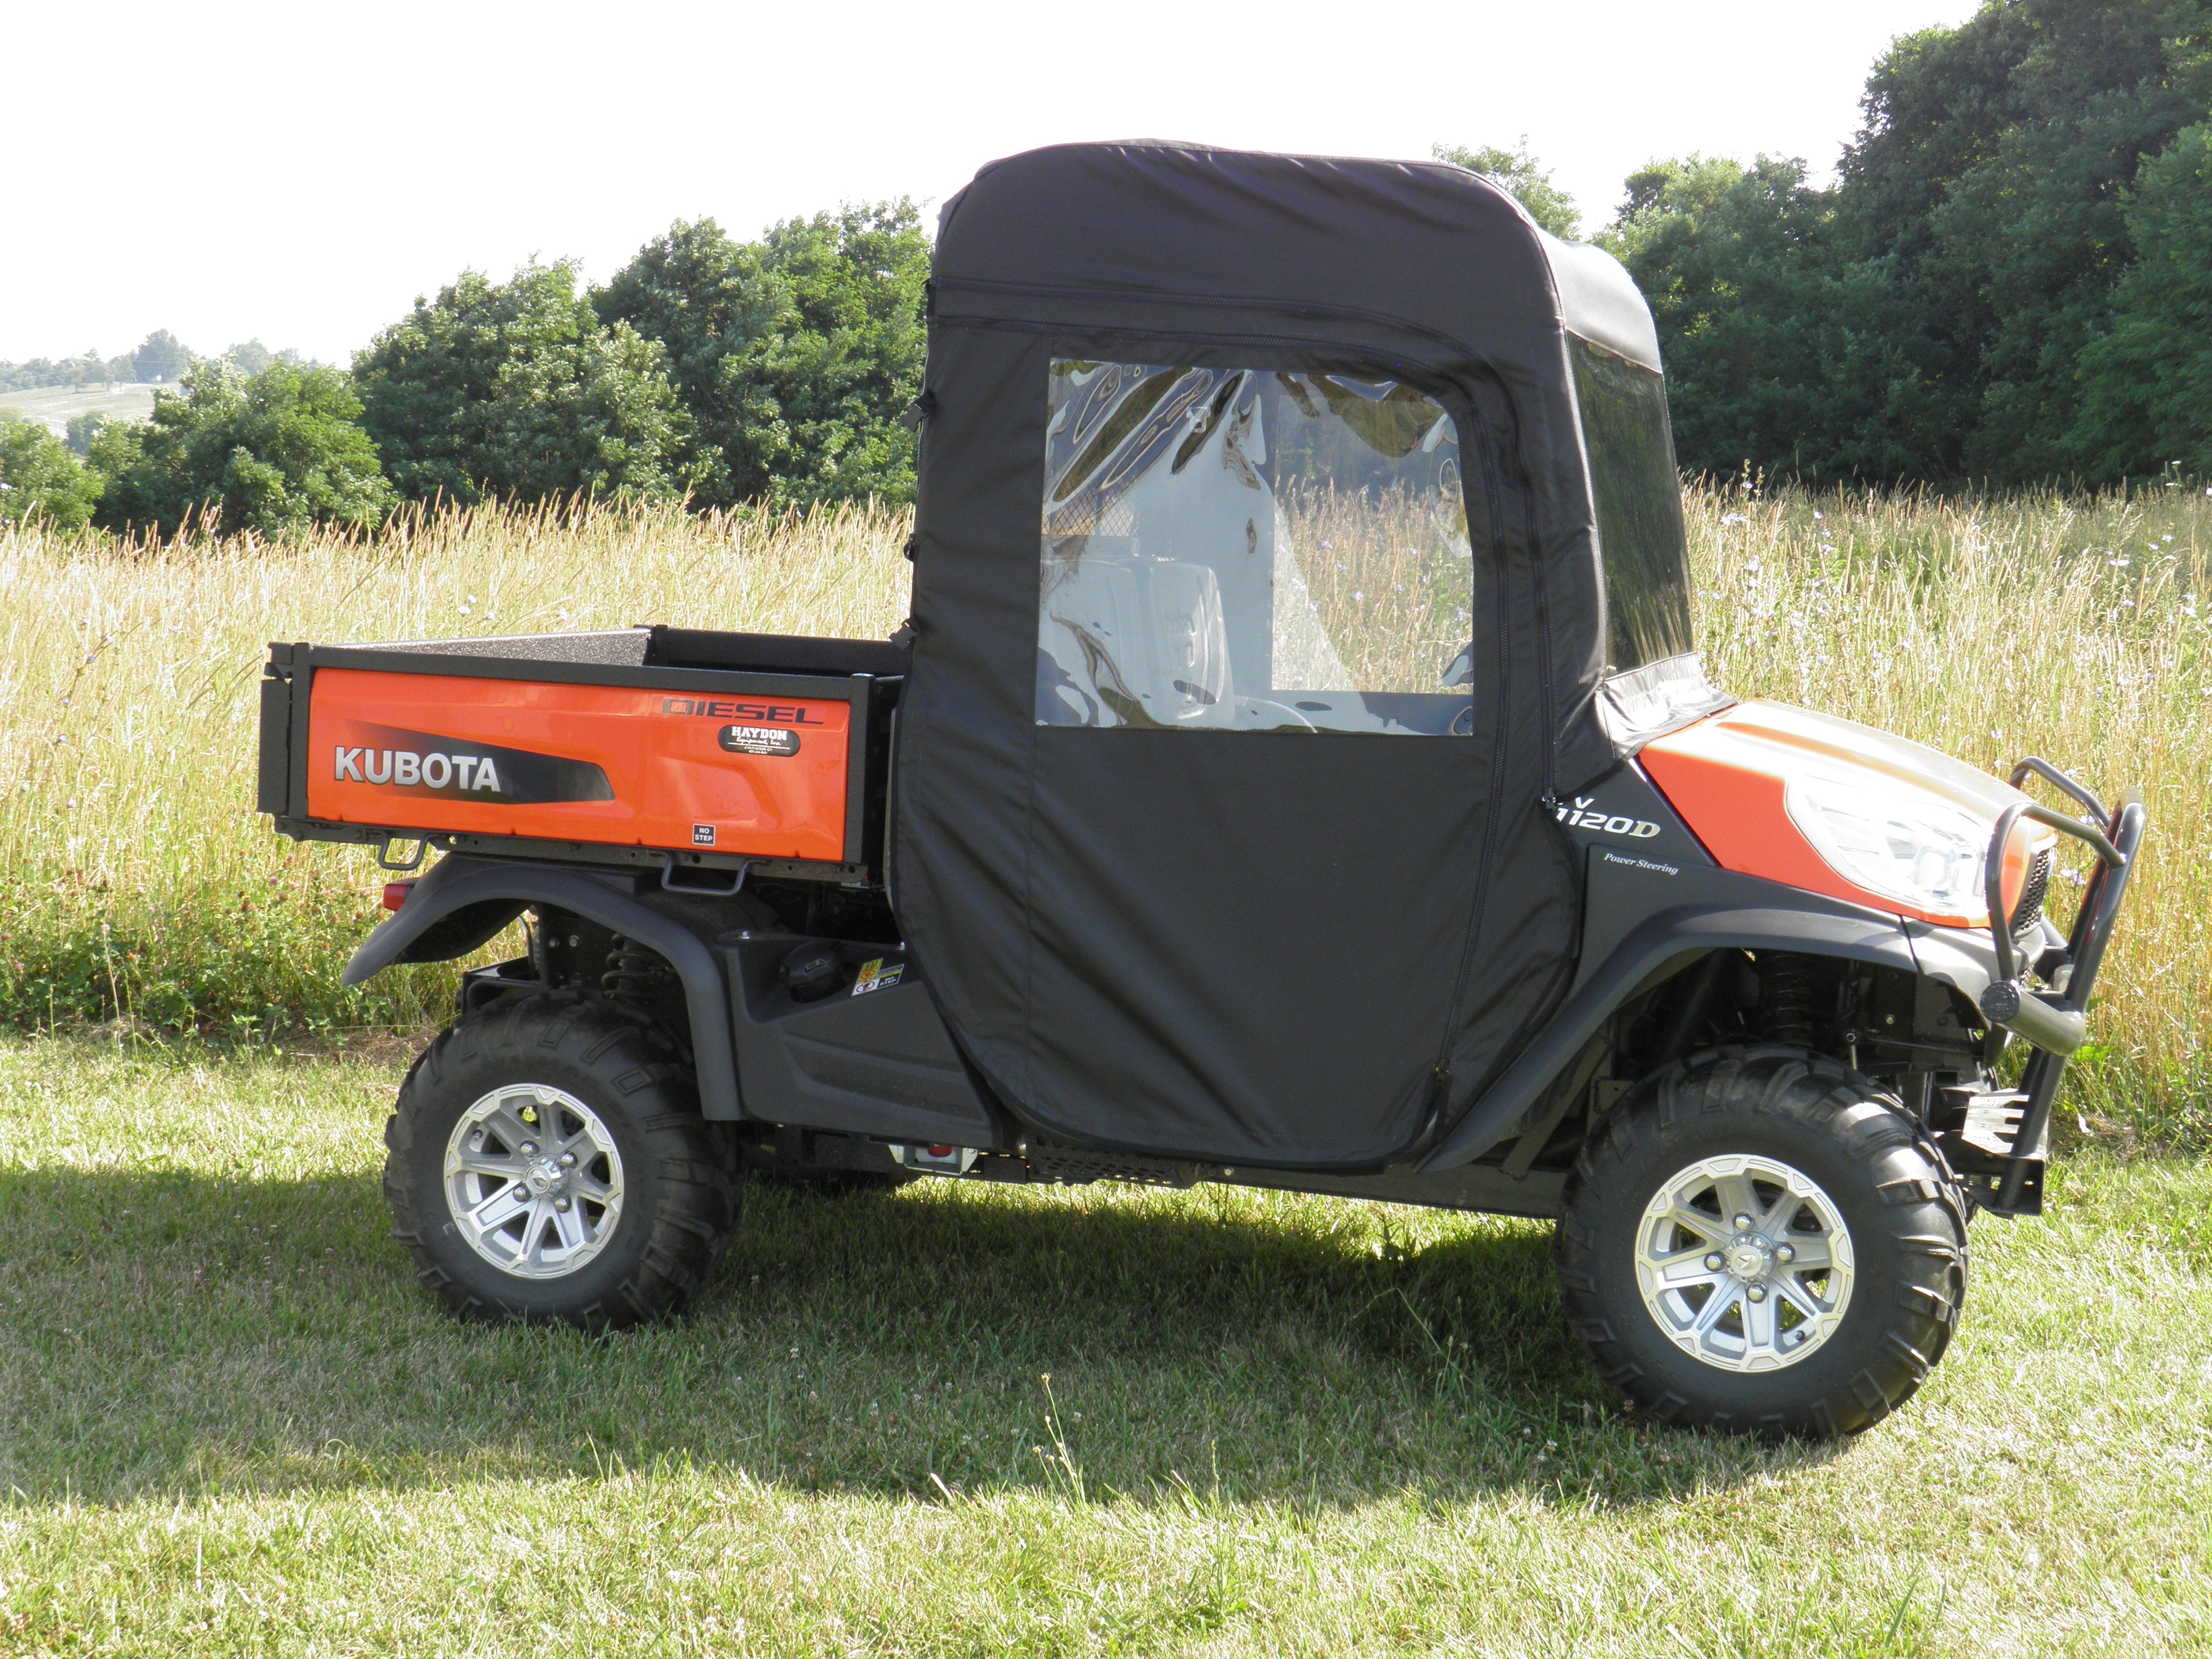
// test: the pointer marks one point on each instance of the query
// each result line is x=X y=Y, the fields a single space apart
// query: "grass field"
x=1271 y=1425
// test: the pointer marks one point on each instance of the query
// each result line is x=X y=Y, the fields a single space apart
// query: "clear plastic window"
x=1639 y=505
x=1240 y=550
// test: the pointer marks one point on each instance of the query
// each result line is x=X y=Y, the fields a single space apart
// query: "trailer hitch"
x=2055 y=1023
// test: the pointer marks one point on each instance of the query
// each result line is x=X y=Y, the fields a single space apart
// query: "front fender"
x=1659 y=943
x=464 y=901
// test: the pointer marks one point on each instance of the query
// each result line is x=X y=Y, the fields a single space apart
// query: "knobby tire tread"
x=635 y=1062
x=1912 y=1270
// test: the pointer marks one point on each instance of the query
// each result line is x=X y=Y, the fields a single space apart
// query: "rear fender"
x=463 y=901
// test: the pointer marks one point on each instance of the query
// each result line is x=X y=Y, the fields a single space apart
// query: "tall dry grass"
x=1390 y=580
x=139 y=881
x=2068 y=627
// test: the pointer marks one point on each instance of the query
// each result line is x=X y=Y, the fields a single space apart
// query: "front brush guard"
x=2054 y=1022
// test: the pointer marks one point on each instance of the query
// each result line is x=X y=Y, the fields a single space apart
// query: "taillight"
x=395 y=893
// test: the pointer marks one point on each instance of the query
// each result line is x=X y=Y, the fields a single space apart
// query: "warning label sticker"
x=876 y=976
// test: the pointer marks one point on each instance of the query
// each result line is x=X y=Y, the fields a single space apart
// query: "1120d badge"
x=1586 y=814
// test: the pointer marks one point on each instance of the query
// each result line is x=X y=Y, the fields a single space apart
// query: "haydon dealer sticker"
x=454 y=768
x=759 y=740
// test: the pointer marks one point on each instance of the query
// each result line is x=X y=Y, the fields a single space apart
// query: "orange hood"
x=1729 y=776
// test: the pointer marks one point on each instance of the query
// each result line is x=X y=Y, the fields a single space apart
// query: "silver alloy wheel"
x=533 y=1181
x=1744 y=1263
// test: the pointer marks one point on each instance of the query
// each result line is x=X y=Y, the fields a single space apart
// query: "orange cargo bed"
x=630 y=747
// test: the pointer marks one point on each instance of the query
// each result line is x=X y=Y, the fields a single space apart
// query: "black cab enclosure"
x=1260 y=619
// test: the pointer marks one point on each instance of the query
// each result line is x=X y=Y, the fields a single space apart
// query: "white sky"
x=301 y=172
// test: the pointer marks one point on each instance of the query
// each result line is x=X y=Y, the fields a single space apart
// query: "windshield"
x=1638 y=496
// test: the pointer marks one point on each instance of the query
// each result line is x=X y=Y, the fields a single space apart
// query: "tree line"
x=2010 y=282
x=159 y=357
x=720 y=371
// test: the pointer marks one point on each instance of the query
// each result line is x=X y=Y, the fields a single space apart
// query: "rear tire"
x=546 y=1161
x=1815 y=1320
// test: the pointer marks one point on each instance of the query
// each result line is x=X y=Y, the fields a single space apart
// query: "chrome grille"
x=2029 y=910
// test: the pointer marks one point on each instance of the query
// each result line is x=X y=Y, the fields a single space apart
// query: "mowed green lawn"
x=230 y=1422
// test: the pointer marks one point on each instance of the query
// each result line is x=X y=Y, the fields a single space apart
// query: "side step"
x=1075 y=1166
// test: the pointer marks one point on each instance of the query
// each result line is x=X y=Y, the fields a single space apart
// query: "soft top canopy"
x=1423 y=243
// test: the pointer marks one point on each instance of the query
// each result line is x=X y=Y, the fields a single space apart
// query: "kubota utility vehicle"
x=1296 y=773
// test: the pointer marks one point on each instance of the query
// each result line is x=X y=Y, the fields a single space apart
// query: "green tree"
x=717 y=314
x=795 y=355
x=160 y=356
x=272 y=453
x=1525 y=179
x=2146 y=399
x=1733 y=261
x=249 y=358
x=1926 y=318
x=40 y=479
x=82 y=430
x=1987 y=187
x=87 y=369
x=517 y=389
x=1782 y=354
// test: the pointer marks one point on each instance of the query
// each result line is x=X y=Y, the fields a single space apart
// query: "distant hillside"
x=57 y=406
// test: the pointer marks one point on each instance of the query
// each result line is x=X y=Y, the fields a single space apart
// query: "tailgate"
x=520 y=752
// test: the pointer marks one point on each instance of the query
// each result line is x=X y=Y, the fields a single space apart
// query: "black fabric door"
x=1204 y=800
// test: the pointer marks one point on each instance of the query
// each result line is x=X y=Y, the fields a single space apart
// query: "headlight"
x=1899 y=842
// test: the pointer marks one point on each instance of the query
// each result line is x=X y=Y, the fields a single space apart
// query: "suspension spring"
x=1785 y=998
x=633 y=970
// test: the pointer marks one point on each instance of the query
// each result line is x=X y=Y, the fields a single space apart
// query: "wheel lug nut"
x=1757 y=1292
x=1715 y=1262
x=567 y=1160
x=1743 y=1224
x=560 y=1203
x=529 y=1149
x=1785 y=1253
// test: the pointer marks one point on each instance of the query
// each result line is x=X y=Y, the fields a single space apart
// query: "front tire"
x=546 y=1161
x=1760 y=1241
